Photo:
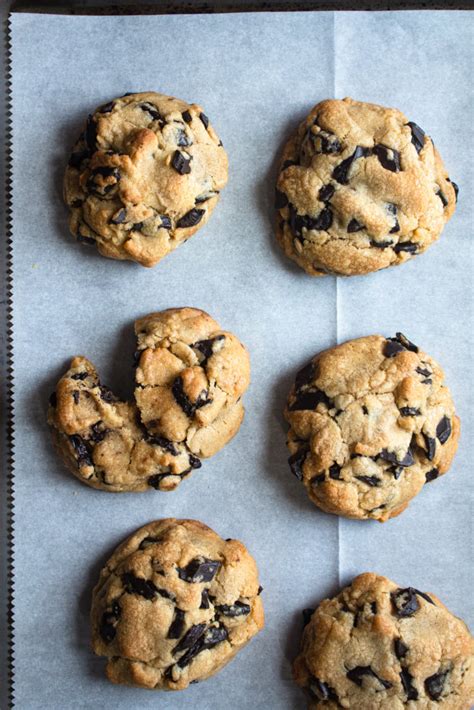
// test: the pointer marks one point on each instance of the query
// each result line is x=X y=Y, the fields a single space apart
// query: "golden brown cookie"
x=378 y=646
x=174 y=604
x=360 y=188
x=191 y=374
x=371 y=421
x=144 y=176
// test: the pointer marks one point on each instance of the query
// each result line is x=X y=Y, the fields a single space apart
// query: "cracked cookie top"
x=191 y=374
x=360 y=188
x=376 y=645
x=143 y=176
x=174 y=604
x=371 y=421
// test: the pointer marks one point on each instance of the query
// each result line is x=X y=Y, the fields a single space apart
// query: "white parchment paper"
x=256 y=75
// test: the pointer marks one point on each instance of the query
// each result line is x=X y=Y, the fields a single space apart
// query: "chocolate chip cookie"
x=174 y=604
x=192 y=376
x=376 y=645
x=144 y=175
x=371 y=421
x=360 y=188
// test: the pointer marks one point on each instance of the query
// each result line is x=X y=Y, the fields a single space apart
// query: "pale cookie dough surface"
x=174 y=604
x=360 y=188
x=189 y=380
x=371 y=421
x=144 y=176
x=116 y=446
x=376 y=646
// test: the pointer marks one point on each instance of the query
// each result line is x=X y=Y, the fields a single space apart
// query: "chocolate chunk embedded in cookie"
x=174 y=604
x=360 y=188
x=376 y=645
x=371 y=421
x=143 y=176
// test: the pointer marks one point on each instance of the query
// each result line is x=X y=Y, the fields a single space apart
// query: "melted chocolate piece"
x=188 y=407
x=408 y=687
x=341 y=171
x=405 y=602
x=410 y=412
x=443 y=430
x=206 y=347
x=369 y=480
x=190 y=638
x=335 y=471
x=325 y=193
x=200 y=569
x=237 y=609
x=430 y=446
x=304 y=376
x=354 y=226
x=434 y=685
x=296 y=462
x=320 y=478
x=389 y=158
x=401 y=649
x=81 y=450
x=177 y=626
x=417 y=136
x=397 y=341
x=409 y=247
x=137 y=585
x=187 y=116
x=309 y=400
x=108 y=623
x=431 y=475
x=191 y=218
x=380 y=245
x=204 y=119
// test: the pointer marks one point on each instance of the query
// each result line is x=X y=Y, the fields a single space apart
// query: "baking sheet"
x=256 y=75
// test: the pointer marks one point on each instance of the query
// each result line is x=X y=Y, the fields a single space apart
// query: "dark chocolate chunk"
x=442 y=197
x=408 y=687
x=296 y=462
x=410 y=412
x=165 y=221
x=380 y=245
x=155 y=480
x=397 y=471
x=79 y=376
x=309 y=399
x=211 y=637
x=164 y=443
x=182 y=139
x=443 y=430
x=397 y=344
x=204 y=119
x=322 y=222
x=200 y=569
x=90 y=134
x=107 y=395
x=103 y=171
x=417 y=136
x=138 y=226
x=324 y=141
x=369 y=480
x=288 y=164
x=304 y=376
x=406 y=343
x=82 y=452
x=77 y=158
x=119 y=217
x=391 y=457
x=177 y=625
x=85 y=240
x=190 y=638
x=307 y=614
x=425 y=596
x=206 y=347
x=181 y=162
x=188 y=407
x=410 y=247
x=191 y=218
x=237 y=609
x=354 y=226
x=431 y=475
x=187 y=116
x=150 y=540
x=205 y=604
x=424 y=371
x=356 y=675
x=137 y=585
x=98 y=432
x=325 y=193
x=341 y=171
x=106 y=108
x=405 y=602
x=320 y=478
x=152 y=110
x=392 y=208
x=194 y=462
x=260 y=590
x=334 y=472
x=456 y=188
x=434 y=685
x=281 y=200
x=364 y=409
x=401 y=649
x=389 y=158
x=108 y=623
x=430 y=446
x=322 y=691
x=162 y=592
